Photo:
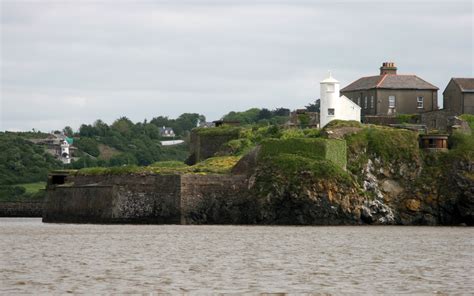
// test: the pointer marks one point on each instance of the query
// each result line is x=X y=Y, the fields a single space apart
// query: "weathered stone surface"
x=21 y=209
x=413 y=205
x=163 y=199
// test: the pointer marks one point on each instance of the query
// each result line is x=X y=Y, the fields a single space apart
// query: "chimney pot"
x=388 y=68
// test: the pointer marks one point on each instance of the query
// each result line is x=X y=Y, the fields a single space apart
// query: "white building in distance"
x=333 y=105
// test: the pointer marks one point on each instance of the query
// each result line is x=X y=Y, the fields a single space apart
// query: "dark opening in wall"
x=58 y=179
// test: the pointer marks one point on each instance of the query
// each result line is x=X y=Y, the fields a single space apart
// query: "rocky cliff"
x=388 y=180
x=346 y=174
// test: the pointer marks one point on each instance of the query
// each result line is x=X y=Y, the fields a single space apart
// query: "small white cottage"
x=333 y=105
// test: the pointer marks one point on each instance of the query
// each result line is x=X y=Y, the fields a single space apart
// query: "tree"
x=124 y=126
x=245 y=117
x=281 y=112
x=67 y=130
x=264 y=114
x=314 y=107
x=101 y=128
x=88 y=145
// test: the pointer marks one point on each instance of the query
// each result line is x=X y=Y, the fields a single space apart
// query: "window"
x=391 y=101
x=419 y=102
x=331 y=111
x=358 y=101
x=330 y=88
x=365 y=103
x=372 y=102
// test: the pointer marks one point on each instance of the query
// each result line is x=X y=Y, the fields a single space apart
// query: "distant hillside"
x=22 y=161
x=128 y=143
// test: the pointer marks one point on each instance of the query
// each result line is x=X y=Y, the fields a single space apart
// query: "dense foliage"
x=22 y=161
x=134 y=143
x=260 y=116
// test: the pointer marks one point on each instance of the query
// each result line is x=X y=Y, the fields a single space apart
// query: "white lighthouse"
x=333 y=106
x=65 y=157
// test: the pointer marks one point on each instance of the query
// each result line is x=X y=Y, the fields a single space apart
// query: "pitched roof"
x=465 y=84
x=389 y=81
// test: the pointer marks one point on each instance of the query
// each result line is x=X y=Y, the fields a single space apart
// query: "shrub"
x=312 y=148
x=342 y=123
x=470 y=119
x=388 y=143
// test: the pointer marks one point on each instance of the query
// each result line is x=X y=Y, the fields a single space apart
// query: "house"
x=333 y=105
x=166 y=132
x=58 y=145
x=390 y=93
x=458 y=96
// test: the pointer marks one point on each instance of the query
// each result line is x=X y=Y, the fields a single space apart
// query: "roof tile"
x=389 y=81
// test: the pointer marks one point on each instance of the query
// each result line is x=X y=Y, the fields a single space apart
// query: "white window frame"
x=419 y=102
x=358 y=101
x=365 y=102
x=372 y=102
x=392 y=102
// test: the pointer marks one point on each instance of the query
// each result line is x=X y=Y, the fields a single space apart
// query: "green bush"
x=462 y=146
x=407 y=118
x=225 y=130
x=388 y=143
x=470 y=119
x=303 y=119
x=342 y=123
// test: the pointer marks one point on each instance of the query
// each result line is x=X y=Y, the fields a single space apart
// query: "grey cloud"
x=147 y=59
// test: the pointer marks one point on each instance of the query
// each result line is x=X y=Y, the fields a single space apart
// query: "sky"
x=72 y=62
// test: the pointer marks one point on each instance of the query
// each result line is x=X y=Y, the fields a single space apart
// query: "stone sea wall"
x=162 y=199
x=21 y=209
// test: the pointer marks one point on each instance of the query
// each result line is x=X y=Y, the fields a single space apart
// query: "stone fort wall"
x=160 y=199
x=21 y=208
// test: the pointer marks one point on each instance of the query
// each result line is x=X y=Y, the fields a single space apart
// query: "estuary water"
x=60 y=258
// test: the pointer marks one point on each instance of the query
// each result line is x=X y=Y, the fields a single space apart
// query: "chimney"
x=388 y=68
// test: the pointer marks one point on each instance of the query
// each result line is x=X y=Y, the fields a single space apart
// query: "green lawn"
x=33 y=187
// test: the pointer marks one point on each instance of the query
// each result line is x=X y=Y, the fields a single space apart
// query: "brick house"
x=459 y=96
x=390 y=93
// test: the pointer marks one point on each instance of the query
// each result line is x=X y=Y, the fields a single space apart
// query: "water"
x=61 y=258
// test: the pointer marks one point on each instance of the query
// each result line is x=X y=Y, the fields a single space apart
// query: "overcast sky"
x=72 y=62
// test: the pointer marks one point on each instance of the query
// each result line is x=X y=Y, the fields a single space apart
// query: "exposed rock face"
x=287 y=188
x=306 y=203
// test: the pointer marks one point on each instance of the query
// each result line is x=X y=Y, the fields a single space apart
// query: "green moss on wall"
x=388 y=143
x=215 y=165
x=225 y=130
x=312 y=148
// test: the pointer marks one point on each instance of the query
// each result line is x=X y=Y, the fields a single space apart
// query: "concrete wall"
x=21 y=209
x=161 y=199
